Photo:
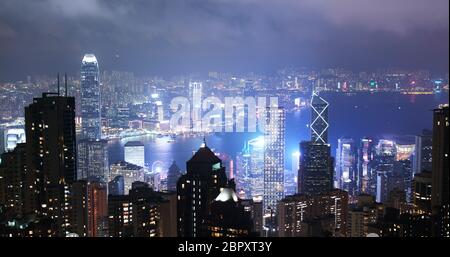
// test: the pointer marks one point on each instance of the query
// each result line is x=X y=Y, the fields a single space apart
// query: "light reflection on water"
x=376 y=115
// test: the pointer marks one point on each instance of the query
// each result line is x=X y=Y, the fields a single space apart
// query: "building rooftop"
x=204 y=154
x=127 y=165
x=134 y=143
x=89 y=58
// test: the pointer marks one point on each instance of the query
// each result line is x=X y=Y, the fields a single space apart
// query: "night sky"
x=168 y=37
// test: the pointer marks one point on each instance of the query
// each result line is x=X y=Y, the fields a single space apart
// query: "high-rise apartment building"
x=51 y=158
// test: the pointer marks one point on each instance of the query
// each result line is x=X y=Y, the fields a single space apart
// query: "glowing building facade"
x=319 y=119
x=90 y=98
x=274 y=146
x=345 y=171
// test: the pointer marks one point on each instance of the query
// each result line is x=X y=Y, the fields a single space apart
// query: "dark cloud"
x=167 y=37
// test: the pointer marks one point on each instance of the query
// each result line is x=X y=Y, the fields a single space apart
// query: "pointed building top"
x=204 y=142
x=174 y=167
x=204 y=154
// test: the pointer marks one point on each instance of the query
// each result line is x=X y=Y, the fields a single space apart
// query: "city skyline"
x=228 y=119
x=237 y=36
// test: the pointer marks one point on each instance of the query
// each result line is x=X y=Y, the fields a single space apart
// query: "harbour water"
x=357 y=115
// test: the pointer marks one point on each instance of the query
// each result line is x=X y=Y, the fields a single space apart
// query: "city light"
x=224 y=119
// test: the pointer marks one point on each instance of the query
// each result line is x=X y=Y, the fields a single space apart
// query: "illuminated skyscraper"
x=315 y=174
x=92 y=152
x=90 y=98
x=197 y=190
x=365 y=172
x=421 y=196
x=274 y=145
x=135 y=153
x=384 y=161
x=319 y=119
x=92 y=160
x=316 y=169
x=440 y=171
x=51 y=158
x=422 y=159
x=346 y=175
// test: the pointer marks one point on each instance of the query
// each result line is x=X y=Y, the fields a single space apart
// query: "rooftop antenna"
x=204 y=141
x=65 y=84
x=58 y=83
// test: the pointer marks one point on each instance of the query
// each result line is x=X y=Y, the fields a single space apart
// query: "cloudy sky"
x=169 y=37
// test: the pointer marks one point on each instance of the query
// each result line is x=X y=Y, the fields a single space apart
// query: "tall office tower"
x=129 y=172
x=51 y=158
x=228 y=217
x=135 y=153
x=319 y=119
x=365 y=174
x=90 y=98
x=423 y=152
x=256 y=151
x=92 y=160
x=384 y=161
x=89 y=215
x=315 y=174
x=136 y=214
x=116 y=186
x=195 y=95
x=440 y=171
x=403 y=177
x=300 y=213
x=196 y=190
x=345 y=172
x=421 y=196
x=173 y=174
x=316 y=169
x=273 y=159
x=12 y=175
